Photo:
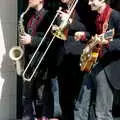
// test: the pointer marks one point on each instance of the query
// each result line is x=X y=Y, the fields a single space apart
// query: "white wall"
x=8 y=25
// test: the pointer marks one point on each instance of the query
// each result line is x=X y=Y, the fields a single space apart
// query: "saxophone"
x=16 y=53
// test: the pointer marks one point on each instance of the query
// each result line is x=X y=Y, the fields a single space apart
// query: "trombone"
x=55 y=34
x=61 y=31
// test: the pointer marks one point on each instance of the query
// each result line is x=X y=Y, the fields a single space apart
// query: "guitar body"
x=88 y=59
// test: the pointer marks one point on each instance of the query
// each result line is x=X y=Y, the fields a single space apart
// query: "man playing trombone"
x=69 y=74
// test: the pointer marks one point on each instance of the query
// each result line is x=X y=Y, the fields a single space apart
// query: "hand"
x=70 y=20
x=105 y=42
x=102 y=40
x=55 y=27
x=63 y=15
x=86 y=49
x=78 y=35
x=25 y=39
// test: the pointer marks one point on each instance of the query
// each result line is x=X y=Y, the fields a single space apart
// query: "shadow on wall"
x=7 y=70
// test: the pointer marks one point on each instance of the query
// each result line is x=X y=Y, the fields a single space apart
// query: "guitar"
x=89 y=58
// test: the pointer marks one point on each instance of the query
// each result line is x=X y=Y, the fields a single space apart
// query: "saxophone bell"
x=16 y=54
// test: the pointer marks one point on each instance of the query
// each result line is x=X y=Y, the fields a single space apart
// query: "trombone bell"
x=60 y=34
x=61 y=31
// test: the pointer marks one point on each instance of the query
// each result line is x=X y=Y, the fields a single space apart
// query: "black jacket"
x=44 y=22
x=110 y=60
x=39 y=32
x=112 y=53
x=71 y=46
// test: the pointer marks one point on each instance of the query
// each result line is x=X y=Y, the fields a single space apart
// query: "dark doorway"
x=21 y=6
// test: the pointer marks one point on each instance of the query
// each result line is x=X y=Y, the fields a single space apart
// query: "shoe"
x=43 y=118
x=53 y=119
x=27 y=118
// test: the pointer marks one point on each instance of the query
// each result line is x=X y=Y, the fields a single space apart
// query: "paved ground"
x=114 y=119
x=117 y=118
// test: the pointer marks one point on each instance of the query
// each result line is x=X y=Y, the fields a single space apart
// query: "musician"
x=37 y=95
x=105 y=73
x=69 y=75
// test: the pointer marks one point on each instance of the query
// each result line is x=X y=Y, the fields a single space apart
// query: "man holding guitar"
x=105 y=72
x=91 y=51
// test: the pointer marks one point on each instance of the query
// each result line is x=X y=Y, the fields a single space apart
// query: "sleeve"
x=78 y=25
x=86 y=37
x=36 y=39
x=114 y=45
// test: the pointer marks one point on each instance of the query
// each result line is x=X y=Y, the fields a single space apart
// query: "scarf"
x=34 y=21
x=102 y=20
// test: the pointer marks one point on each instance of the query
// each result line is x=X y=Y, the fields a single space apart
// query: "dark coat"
x=113 y=52
x=69 y=75
x=39 y=32
x=110 y=60
x=71 y=46
x=44 y=22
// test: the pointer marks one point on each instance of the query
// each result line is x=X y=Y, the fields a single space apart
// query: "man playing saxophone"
x=36 y=24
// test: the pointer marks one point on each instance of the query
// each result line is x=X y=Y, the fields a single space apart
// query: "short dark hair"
x=107 y=1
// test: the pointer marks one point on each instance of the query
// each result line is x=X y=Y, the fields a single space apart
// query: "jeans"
x=103 y=99
x=55 y=92
x=81 y=110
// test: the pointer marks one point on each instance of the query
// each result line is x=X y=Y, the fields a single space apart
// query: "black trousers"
x=37 y=96
x=70 y=79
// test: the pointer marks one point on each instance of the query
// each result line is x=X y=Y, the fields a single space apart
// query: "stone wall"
x=8 y=32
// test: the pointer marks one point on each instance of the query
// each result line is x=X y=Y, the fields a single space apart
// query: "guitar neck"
x=93 y=43
x=108 y=35
x=94 y=40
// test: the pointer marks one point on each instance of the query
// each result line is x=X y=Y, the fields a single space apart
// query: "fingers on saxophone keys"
x=22 y=39
x=22 y=35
